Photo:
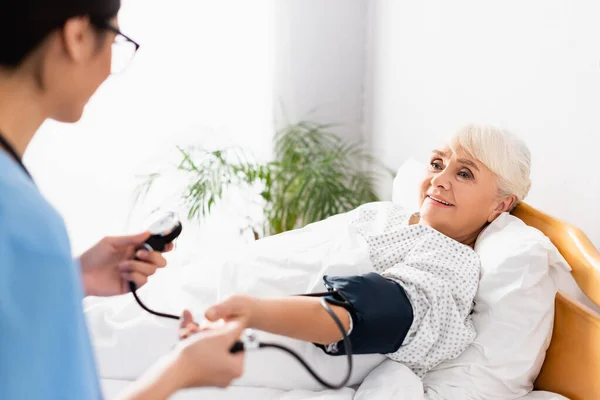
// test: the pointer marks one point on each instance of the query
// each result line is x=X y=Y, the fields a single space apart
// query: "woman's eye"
x=465 y=174
x=436 y=165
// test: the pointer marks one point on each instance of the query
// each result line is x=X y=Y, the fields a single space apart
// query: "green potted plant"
x=314 y=175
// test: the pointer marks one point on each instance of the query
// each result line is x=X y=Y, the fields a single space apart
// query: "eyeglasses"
x=123 y=48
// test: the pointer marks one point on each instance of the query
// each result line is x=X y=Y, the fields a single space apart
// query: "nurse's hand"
x=205 y=359
x=108 y=267
x=200 y=361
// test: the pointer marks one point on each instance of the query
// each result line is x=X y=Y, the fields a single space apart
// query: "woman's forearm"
x=302 y=318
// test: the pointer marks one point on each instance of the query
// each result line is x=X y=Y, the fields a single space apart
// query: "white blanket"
x=127 y=340
x=390 y=380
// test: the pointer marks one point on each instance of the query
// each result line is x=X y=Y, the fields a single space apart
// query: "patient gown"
x=438 y=274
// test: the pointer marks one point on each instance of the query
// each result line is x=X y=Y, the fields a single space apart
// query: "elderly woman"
x=427 y=272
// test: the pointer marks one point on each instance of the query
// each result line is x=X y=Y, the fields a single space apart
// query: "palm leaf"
x=315 y=174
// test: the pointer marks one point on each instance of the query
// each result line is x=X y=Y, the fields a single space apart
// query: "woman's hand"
x=109 y=266
x=240 y=308
x=188 y=326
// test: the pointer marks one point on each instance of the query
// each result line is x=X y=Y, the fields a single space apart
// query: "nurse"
x=53 y=56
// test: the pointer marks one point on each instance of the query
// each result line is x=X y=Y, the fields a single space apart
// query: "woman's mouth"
x=439 y=201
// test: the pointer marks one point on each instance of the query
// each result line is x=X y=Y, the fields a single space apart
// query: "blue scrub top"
x=45 y=350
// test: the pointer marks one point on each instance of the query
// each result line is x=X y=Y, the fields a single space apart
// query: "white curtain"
x=202 y=76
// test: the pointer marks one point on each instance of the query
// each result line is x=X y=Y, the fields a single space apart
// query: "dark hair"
x=24 y=24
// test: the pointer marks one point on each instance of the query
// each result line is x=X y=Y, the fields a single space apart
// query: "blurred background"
x=220 y=82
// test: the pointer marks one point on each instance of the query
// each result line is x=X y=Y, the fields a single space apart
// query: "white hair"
x=505 y=154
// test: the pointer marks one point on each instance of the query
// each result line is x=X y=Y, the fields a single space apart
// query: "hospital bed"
x=572 y=364
x=571 y=367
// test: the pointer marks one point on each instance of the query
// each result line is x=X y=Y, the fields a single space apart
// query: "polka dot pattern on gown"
x=439 y=275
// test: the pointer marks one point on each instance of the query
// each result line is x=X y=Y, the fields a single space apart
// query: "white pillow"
x=406 y=184
x=513 y=314
x=540 y=395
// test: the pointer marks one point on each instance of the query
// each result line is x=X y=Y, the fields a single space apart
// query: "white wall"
x=320 y=62
x=203 y=76
x=530 y=66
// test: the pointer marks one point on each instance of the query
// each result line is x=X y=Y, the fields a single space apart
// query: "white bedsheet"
x=389 y=380
x=539 y=395
x=112 y=387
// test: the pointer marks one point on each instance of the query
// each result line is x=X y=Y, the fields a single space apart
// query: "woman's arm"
x=302 y=318
x=381 y=314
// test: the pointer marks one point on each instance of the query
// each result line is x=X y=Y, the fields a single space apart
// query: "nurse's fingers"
x=129 y=240
x=169 y=247
x=135 y=277
x=153 y=257
x=141 y=267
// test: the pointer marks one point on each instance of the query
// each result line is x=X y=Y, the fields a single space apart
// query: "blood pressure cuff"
x=381 y=312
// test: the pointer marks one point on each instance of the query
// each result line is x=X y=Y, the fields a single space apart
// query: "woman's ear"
x=76 y=38
x=503 y=204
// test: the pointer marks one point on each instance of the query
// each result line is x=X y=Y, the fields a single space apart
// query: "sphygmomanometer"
x=380 y=311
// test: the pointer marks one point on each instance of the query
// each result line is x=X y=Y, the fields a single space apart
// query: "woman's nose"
x=441 y=180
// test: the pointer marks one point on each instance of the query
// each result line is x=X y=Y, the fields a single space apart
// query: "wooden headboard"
x=572 y=364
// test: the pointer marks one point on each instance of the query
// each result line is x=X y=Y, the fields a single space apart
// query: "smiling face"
x=459 y=195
